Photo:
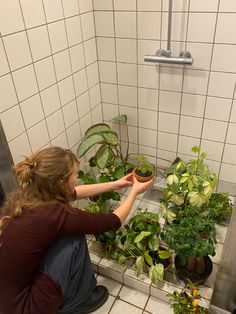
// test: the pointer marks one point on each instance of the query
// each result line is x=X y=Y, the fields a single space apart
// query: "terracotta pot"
x=142 y=178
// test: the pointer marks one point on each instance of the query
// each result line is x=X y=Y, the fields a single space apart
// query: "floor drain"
x=153 y=195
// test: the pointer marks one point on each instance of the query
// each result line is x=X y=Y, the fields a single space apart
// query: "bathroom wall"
x=57 y=55
x=49 y=84
x=171 y=108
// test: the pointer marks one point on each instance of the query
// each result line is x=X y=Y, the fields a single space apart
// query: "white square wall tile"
x=25 y=82
x=62 y=64
x=221 y=84
x=106 y=49
x=32 y=111
x=55 y=123
x=80 y=80
x=33 y=13
x=228 y=173
x=127 y=95
x=224 y=58
x=131 y=114
x=227 y=6
x=168 y=122
x=225 y=23
x=148 y=98
x=12 y=129
x=218 y=108
x=107 y=72
x=147 y=119
x=11 y=20
x=57 y=34
x=70 y=7
x=7 y=93
x=214 y=130
x=83 y=104
x=201 y=27
x=4 y=64
x=181 y=5
x=109 y=111
x=109 y=93
x=87 y=22
x=190 y=126
x=195 y=81
x=39 y=42
x=167 y=141
x=169 y=102
x=202 y=5
x=77 y=57
x=124 y=5
x=127 y=74
x=147 y=47
x=214 y=150
x=60 y=140
x=92 y=73
x=66 y=90
x=149 y=25
x=85 y=5
x=45 y=73
x=229 y=154
x=19 y=147
x=50 y=100
x=73 y=135
x=97 y=114
x=70 y=113
x=102 y=5
x=186 y=143
x=126 y=50
x=147 y=137
x=148 y=76
x=125 y=24
x=153 y=5
x=171 y=79
x=85 y=123
x=73 y=30
x=17 y=50
x=90 y=51
x=231 y=138
x=38 y=136
x=53 y=10
x=233 y=112
x=201 y=54
x=193 y=105
x=95 y=95
x=104 y=23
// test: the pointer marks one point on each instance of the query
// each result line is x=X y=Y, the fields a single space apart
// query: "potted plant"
x=144 y=170
x=109 y=158
x=193 y=239
x=138 y=240
x=189 y=188
x=187 y=300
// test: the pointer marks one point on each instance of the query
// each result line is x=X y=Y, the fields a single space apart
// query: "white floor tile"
x=133 y=296
x=156 y=306
x=124 y=307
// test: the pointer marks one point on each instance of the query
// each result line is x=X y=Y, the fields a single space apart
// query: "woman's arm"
x=87 y=190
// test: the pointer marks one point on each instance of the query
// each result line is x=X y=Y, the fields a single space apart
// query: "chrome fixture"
x=164 y=56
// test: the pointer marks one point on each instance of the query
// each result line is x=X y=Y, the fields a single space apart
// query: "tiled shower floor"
x=139 y=295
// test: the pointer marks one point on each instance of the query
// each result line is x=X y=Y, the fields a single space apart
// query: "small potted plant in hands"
x=186 y=301
x=144 y=171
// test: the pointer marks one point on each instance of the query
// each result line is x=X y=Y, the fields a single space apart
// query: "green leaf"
x=142 y=235
x=156 y=273
x=111 y=138
x=195 y=149
x=164 y=254
x=139 y=265
x=102 y=156
x=97 y=128
x=121 y=118
x=148 y=258
x=89 y=142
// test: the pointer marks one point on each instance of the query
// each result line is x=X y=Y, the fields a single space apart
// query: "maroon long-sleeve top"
x=24 y=289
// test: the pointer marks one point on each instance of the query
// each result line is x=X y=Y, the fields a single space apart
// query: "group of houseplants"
x=189 y=203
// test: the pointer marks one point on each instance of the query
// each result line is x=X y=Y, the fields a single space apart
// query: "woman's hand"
x=125 y=181
x=140 y=187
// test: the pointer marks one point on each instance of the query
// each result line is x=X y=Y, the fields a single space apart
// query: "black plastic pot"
x=196 y=278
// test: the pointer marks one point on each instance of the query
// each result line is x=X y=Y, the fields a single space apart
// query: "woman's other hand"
x=125 y=181
x=140 y=187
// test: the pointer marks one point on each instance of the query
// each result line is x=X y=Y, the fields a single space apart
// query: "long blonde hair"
x=42 y=178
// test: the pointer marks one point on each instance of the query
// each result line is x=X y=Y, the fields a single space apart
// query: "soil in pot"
x=142 y=177
x=196 y=278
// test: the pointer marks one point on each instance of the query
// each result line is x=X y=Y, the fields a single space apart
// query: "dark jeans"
x=68 y=263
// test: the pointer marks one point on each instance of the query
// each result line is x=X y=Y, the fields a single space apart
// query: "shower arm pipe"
x=168 y=50
x=164 y=56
